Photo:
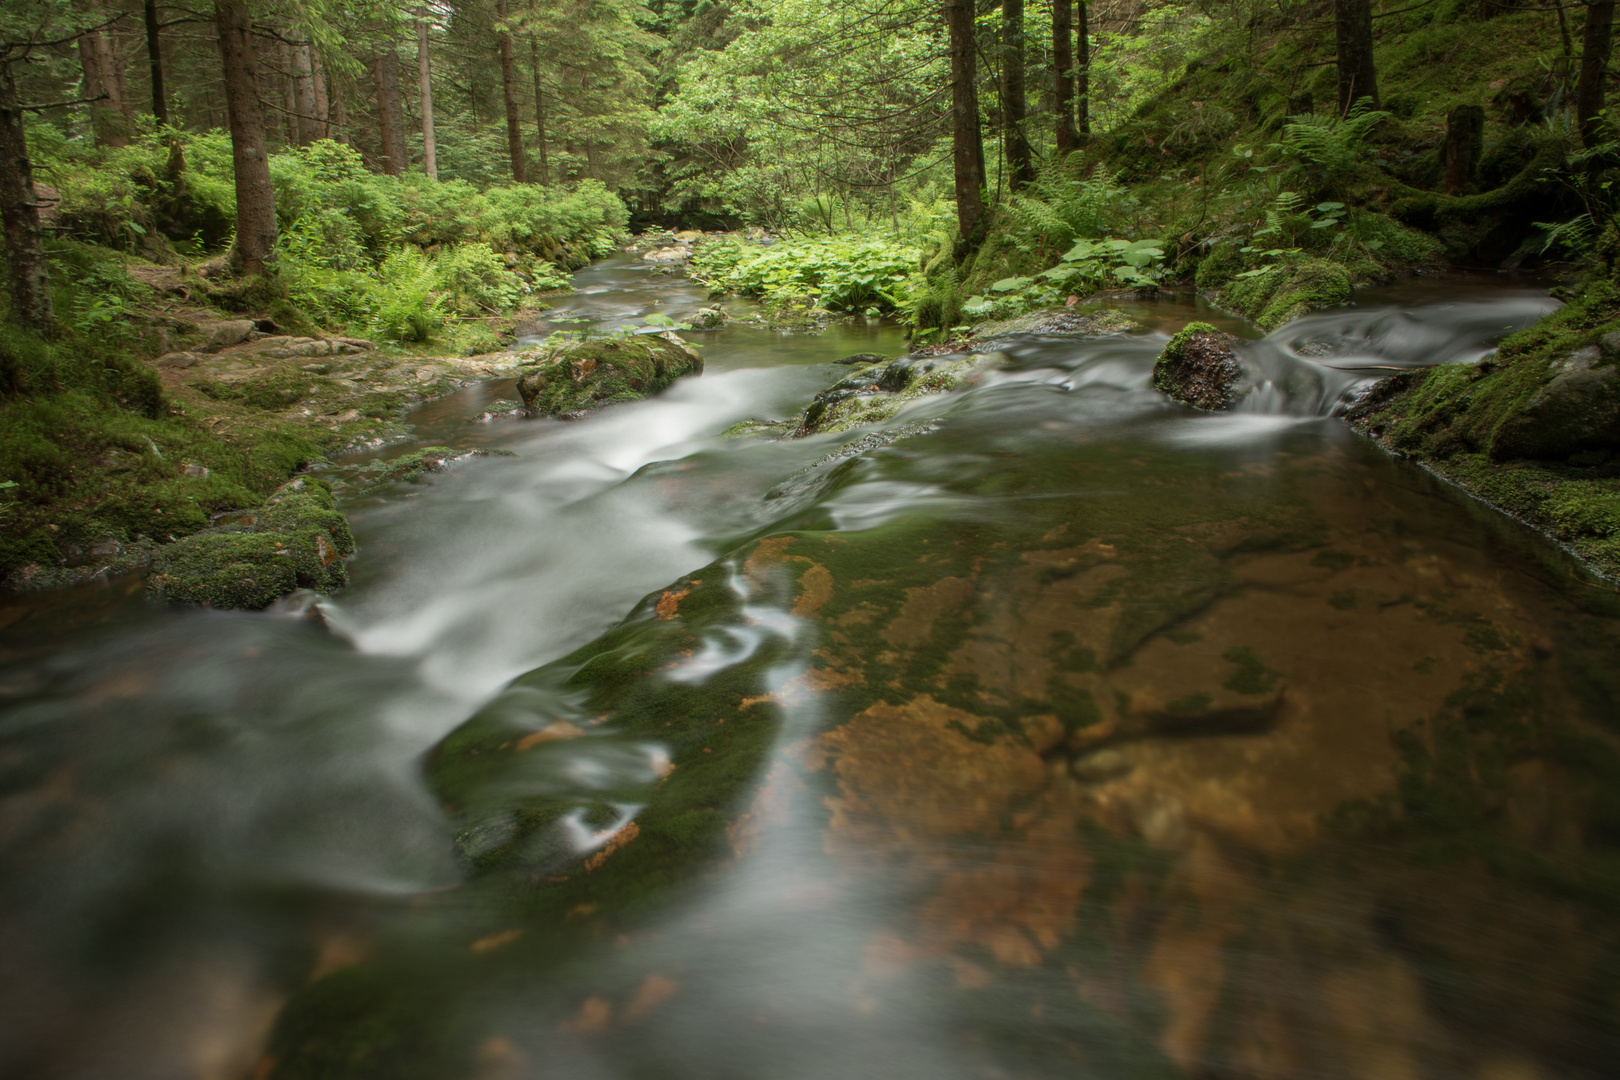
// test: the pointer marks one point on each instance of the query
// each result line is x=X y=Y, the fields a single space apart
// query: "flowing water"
x=1071 y=734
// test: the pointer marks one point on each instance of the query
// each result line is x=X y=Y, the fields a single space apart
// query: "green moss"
x=589 y=374
x=1251 y=675
x=1270 y=300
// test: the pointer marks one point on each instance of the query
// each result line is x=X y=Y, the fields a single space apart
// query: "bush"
x=842 y=273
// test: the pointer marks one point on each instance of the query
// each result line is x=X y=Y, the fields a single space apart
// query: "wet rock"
x=1107 y=321
x=773 y=429
x=709 y=318
x=413 y=467
x=865 y=358
x=298 y=540
x=585 y=375
x=1199 y=368
x=879 y=391
x=669 y=255
x=222 y=335
x=1577 y=412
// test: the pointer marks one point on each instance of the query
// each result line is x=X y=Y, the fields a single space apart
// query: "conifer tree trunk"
x=1352 y=30
x=1082 y=68
x=107 y=115
x=514 y=132
x=154 y=59
x=390 y=113
x=19 y=214
x=323 y=102
x=1014 y=102
x=304 y=94
x=424 y=72
x=1063 y=75
x=967 y=147
x=539 y=111
x=289 y=92
x=336 y=114
x=1597 y=38
x=255 y=198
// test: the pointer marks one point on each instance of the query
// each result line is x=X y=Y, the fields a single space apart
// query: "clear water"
x=1073 y=734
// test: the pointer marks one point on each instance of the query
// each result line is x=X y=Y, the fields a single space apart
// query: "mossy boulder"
x=1199 y=368
x=1286 y=292
x=1106 y=321
x=584 y=375
x=876 y=392
x=299 y=540
x=1576 y=412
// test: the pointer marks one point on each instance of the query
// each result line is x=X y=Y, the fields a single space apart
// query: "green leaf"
x=658 y=320
x=1082 y=250
x=1330 y=206
x=1010 y=284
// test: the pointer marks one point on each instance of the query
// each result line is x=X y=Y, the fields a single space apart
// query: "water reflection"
x=1072 y=734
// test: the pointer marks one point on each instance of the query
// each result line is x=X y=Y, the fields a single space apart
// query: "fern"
x=1574 y=235
x=1055 y=211
x=1333 y=145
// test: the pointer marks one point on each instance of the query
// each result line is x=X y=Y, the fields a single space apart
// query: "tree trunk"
x=154 y=58
x=967 y=148
x=19 y=214
x=1465 y=139
x=1015 y=105
x=514 y=132
x=304 y=93
x=539 y=111
x=289 y=92
x=338 y=117
x=390 y=113
x=101 y=83
x=323 y=101
x=424 y=71
x=1082 y=68
x=255 y=198
x=1352 y=31
x=1063 y=75
x=1597 y=37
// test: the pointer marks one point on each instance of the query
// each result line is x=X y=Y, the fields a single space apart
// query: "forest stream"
x=1069 y=732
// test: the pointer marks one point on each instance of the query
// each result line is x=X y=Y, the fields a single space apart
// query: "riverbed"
x=1051 y=730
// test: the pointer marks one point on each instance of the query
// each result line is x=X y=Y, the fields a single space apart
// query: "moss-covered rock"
x=299 y=540
x=1269 y=300
x=584 y=375
x=1106 y=321
x=877 y=392
x=1199 y=368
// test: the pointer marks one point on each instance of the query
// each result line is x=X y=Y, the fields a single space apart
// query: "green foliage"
x=1332 y=147
x=841 y=273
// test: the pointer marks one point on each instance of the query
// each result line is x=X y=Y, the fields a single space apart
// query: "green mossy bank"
x=1533 y=429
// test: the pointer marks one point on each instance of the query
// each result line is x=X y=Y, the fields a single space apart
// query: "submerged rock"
x=586 y=375
x=878 y=391
x=1199 y=368
x=298 y=540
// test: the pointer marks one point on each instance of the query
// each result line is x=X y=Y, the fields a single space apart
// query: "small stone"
x=1199 y=368
x=179 y=360
x=198 y=471
x=106 y=548
x=1100 y=765
x=1609 y=344
x=709 y=318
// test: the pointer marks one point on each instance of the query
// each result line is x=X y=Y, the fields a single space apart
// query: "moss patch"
x=585 y=375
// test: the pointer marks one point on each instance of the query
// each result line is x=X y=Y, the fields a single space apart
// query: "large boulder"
x=583 y=375
x=876 y=392
x=1577 y=411
x=1199 y=368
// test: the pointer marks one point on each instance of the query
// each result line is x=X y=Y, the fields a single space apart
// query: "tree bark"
x=154 y=59
x=107 y=117
x=289 y=92
x=1597 y=38
x=390 y=113
x=539 y=111
x=255 y=198
x=1082 y=68
x=514 y=132
x=19 y=214
x=1353 y=40
x=323 y=101
x=1014 y=102
x=337 y=116
x=304 y=93
x=424 y=72
x=967 y=147
x=1063 y=75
